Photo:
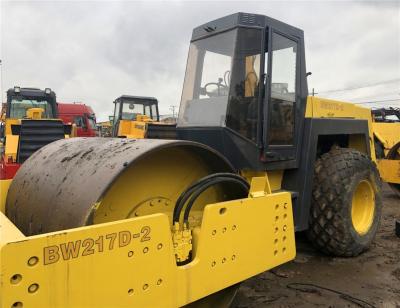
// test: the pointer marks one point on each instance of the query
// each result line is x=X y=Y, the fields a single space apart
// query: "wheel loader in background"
x=138 y=117
x=167 y=223
x=29 y=120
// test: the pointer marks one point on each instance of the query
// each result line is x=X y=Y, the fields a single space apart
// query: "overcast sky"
x=93 y=52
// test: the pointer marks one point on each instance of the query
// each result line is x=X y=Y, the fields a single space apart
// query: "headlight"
x=17 y=89
x=47 y=90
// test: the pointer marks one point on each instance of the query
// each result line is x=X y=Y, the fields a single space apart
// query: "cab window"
x=19 y=107
x=80 y=122
x=131 y=110
x=206 y=87
x=92 y=122
x=147 y=111
x=116 y=110
x=283 y=91
x=242 y=115
x=151 y=112
x=154 y=114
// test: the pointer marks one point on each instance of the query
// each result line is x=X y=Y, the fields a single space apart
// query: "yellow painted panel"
x=131 y=129
x=10 y=122
x=318 y=107
x=11 y=147
x=122 y=264
x=4 y=186
x=130 y=263
x=143 y=118
x=309 y=107
x=247 y=238
x=389 y=170
x=8 y=232
x=34 y=113
x=274 y=177
x=387 y=133
x=327 y=108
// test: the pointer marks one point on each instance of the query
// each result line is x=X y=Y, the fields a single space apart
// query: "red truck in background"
x=81 y=115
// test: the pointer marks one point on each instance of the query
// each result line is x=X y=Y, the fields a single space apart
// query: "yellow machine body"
x=71 y=268
x=34 y=113
x=389 y=170
x=8 y=122
x=387 y=133
x=134 y=129
x=4 y=186
x=132 y=114
x=234 y=240
x=121 y=247
x=11 y=146
x=327 y=108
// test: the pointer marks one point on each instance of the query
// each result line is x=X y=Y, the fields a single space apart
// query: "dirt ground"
x=369 y=280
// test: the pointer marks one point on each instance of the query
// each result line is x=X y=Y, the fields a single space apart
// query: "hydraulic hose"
x=181 y=201
x=241 y=183
x=185 y=195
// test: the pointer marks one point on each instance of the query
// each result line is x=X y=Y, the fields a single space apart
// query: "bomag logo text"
x=332 y=106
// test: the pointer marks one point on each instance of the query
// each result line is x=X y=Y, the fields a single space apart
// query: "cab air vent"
x=209 y=29
x=248 y=18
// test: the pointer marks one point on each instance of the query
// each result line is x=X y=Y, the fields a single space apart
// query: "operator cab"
x=20 y=100
x=129 y=107
x=132 y=108
x=245 y=90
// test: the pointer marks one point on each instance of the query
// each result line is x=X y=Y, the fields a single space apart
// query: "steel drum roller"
x=81 y=181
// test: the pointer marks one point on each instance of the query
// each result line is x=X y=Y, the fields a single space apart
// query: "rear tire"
x=346 y=203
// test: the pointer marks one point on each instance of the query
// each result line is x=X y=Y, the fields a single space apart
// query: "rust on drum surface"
x=58 y=187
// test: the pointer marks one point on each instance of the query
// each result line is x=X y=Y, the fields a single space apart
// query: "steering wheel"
x=213 y=94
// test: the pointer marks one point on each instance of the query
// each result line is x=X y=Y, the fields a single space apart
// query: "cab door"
x=282 y=101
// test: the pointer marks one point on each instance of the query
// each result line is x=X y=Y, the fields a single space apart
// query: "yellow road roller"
x=111 y=222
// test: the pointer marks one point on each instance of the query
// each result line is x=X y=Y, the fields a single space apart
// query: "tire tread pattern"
x=330 y=226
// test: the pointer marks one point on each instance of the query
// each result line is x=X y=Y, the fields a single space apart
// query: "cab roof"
x=243 y=20
x=29 y=92
x=145 y=100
